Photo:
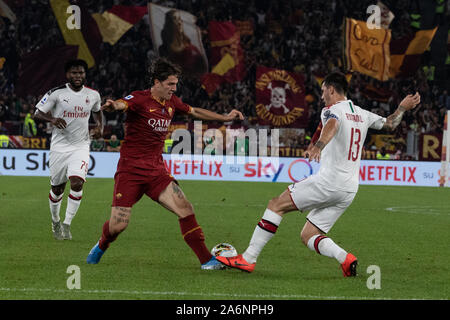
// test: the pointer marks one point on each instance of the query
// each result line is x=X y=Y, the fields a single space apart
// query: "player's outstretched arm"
x=314 y=139
x=204 y=114
x=60 y=123
x=408 y=103
x=328 y=132
x=111 y=106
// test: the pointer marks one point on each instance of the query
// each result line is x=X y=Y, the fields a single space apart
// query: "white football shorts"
x=325 y=204
x=67 y=164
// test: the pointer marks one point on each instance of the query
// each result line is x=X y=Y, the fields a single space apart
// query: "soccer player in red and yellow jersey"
x=141 y=169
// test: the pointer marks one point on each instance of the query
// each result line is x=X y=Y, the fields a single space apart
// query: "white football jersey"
x=340 y=159
x=75 y=108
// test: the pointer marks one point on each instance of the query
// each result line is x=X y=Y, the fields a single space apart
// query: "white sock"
x=55 y=205
x=73 y=203
x=326 y=247
x=264 y=231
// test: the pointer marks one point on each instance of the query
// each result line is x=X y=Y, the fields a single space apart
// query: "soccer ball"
x=224 y=250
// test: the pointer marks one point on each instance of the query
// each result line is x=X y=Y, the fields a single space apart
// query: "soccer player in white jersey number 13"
x=327 y=194
x=68 y=108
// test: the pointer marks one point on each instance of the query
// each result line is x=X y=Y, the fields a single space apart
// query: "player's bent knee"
x=57 y=190
x=76 y=184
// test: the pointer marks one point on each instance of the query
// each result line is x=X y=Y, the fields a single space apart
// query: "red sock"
x=106 y=238
x=194 y=237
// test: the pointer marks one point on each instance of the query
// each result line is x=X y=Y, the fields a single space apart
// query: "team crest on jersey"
x=87 y=100
x=129 y=97
x=327 y=115
x=170 y=110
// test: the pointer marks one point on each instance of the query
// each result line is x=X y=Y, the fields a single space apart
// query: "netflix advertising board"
x=22 y=162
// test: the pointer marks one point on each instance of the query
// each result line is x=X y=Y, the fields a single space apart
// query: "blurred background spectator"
x=113 y=144
x=97 y=144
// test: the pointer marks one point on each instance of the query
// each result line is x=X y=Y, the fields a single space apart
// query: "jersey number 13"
x=355 y=139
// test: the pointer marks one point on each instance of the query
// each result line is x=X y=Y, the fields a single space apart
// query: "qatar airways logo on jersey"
x=161 y=125
x=78 y=112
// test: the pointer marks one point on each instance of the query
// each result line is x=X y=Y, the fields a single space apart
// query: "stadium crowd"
x=296 y=35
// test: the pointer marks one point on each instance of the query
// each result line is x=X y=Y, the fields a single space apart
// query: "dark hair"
x=161 y=69
x=338 y=81
x=75 y=63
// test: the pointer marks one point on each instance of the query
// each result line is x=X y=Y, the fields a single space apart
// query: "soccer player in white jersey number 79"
x=327 y=194
x=68 y=108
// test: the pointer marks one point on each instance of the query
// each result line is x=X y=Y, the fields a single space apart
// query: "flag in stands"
x=226 y=56
x=211 y=81
x=176 y=37
x=280 y=98
x=366 y=50
x=115 y=22
x=406 y=53
x=225 y=39
x=87 y=37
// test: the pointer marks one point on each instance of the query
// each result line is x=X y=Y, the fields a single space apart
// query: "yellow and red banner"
x=374 y=53
x=87 y=37
x=406 y=53
x=280 y=98
x=367 y=50
x=225 y=39
x=226 y=55
x=93 y=29
x=116 y=21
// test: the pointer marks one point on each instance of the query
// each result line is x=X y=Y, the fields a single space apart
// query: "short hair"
x=75 y=63
x=161 y=69
x=338 y=81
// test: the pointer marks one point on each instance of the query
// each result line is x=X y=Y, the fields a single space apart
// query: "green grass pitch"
x=402 y=230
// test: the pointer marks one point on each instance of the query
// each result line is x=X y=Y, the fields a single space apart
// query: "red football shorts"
x=136 y=177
